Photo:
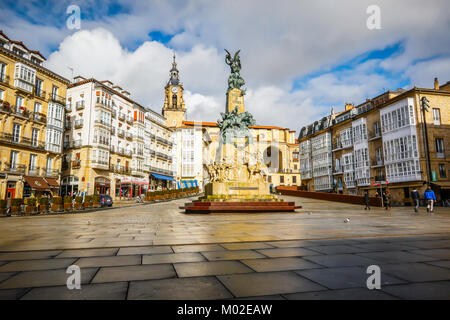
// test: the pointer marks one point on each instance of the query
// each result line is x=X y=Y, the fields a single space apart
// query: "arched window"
x=174 y=101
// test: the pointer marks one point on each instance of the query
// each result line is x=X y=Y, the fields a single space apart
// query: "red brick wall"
x=344 y=198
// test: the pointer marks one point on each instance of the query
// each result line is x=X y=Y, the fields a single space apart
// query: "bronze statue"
x=235 y=80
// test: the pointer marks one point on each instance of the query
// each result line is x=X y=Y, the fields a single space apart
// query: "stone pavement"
x=157 y=252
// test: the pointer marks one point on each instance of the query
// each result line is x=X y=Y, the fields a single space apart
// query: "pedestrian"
x=430 y=198
x=387 y=200
x=366 y=200
x=415 y=197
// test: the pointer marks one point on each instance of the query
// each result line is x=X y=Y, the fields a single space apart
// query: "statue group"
x=235 y=80
x=234 y=124
x=225 y=172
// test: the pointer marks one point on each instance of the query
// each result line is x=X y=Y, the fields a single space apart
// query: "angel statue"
x=235 y=80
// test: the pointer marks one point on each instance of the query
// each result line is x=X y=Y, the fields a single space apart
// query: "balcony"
x=375 y=163
x=56 y=98
x=375 y=134
x=4 y=79
x=100 y=164
x=121 y=150
x=113 y=113
x=40 y=117
x=103 y=122
x=21 y=112
x=66 y=146
x=67 y=125
x=117 y=168
x=39 y=94
x=69 y=107
x=103 y=104
x=380 y=178
x=121 y=116
x=76 y=164
x=79 y=105
x=113 y=130
x=338 y=170
x=77 y=143
x=128 y=153
x=78 y=123
x=23 y=141
x=137 y=171
x=350 y=184
x=440 y=155
x=128 y=135
x=34 y=171
x=130 y=119
x=51 y=172
x=120 y=132
x=14 y=168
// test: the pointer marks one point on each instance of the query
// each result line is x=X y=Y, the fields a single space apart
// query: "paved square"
x=157 y=252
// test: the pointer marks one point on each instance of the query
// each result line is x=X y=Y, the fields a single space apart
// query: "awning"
x=37 y=183
x=162 y=177
x=52 y=182
x=442 y=184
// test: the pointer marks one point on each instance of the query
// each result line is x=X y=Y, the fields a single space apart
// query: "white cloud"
x=280 y=42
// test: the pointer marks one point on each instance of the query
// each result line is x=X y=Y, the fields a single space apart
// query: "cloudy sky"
x=299 y=58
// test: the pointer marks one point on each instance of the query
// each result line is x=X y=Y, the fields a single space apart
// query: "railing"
x=10 y=138
x=78 y=123
x=120 y=132
x=39 y=94
x=76 y=164
x=128 y=135
x=102 y=103
x=33 y=171
x=113 y=130
x=128 y=153
x=121 y=116
x=380 y=178
x=56 y=98
x=4 y=78
x=120 y=169
x=69 y=107
x=37 y=116
x=338 y=170
x=103 y=122
x=375 y=134
x=120 y=150
x=21 y=111
x=440 y=155
x=66 y=146
x=67 y=125
x=51 y=172
x=377 y=162
x=113 y=113
x=79 y=105
x=130 y=119
x=77 y=143
x=15 y=168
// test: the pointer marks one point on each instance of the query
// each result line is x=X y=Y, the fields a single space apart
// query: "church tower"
x=174 y=109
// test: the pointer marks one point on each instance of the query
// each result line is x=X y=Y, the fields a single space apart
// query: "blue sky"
x=300 y=58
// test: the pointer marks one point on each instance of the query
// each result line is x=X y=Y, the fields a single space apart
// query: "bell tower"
x=174 y=109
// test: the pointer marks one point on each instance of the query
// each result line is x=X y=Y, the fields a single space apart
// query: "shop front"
x=35 y=187
x=161 y=182
x=102 y=185
x=54 y=186
x=187 y=184
x=131 y=187
x=69 y=186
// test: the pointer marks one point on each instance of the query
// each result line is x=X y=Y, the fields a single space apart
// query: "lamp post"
x=425 y=106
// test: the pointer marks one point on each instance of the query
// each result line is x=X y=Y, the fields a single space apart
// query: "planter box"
x=87 y=205
x=43 y=208
x=78 y=206
x=15 y=209
x=67 y=206
x=3 y=211
x=96 y=205
x=56 y=207
x=30 y=209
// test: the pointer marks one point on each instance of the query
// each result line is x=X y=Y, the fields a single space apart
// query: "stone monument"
x=237 y=182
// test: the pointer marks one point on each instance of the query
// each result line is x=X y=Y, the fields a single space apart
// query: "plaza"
x=155 y=251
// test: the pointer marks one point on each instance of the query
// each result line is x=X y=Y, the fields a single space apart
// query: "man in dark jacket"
x=415 y=197
x=366 y=200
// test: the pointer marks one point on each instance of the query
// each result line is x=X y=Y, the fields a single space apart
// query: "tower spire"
x=174 y=73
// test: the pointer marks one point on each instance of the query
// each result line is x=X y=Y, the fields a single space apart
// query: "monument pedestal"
x=238 y=191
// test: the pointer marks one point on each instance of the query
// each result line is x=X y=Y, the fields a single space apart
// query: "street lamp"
x=425 y=106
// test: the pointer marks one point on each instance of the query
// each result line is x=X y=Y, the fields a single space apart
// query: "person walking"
x=415 y=197
x=430 y=198
x=387 y=200
x=366 y=200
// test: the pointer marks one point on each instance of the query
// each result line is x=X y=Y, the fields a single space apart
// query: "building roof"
x=214 y=124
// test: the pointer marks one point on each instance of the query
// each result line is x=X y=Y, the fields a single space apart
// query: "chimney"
x=436 y=84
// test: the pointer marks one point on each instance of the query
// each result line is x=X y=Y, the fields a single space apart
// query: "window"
x=2 y=72
x=16 y=132
x=1 y=94
x=440 y=148
x=35 y=137
x=38 y=87
x=269 y=179
x=32 y=166
x=281 y=179
x=49 y=165
x=19 y=102
x=13 y=159
x=294 y=179
x=442 y=172
x=55 y=91
x=436 y=117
